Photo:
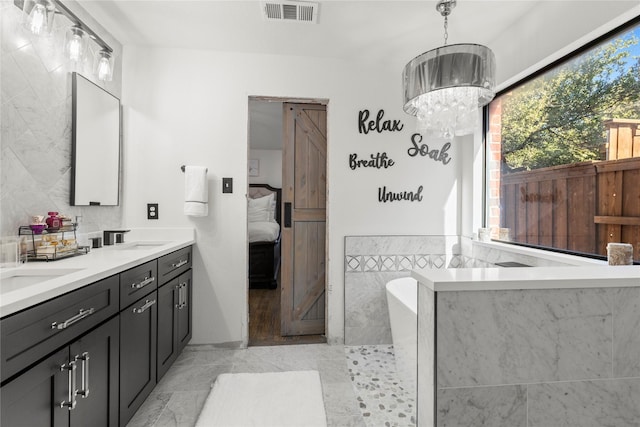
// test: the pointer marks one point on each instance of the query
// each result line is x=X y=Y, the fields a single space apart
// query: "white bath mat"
x=271 y=399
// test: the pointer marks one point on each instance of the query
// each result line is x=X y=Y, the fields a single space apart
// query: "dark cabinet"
x=138 y=329
x=92 y=356
x=75 y=386
x=174 y=320
x=32 y=334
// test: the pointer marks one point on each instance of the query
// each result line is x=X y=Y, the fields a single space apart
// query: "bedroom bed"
x=264 y=235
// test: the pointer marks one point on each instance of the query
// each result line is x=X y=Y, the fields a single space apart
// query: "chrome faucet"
x=114 y=236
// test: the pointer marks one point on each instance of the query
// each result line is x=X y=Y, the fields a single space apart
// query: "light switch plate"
x=152 y=211
x=227 y=185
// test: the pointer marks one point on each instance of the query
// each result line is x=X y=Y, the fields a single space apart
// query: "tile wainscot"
x=529 y=346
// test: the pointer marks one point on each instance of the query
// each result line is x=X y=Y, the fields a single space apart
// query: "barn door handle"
x=287 y=214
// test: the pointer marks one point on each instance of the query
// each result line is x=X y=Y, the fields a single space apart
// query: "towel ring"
x=182 y=168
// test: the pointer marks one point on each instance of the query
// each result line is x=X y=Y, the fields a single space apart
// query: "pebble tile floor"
x=362 y=394
x=381 y=399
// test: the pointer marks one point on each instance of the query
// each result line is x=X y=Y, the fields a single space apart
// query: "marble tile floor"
x=180 y=395
x=381 y=399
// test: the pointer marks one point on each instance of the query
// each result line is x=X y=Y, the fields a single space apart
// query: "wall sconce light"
x=75 y=45
x=103 y=65
x=37 y=17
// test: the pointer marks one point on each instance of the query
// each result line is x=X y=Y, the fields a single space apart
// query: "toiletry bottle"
x=53 y=222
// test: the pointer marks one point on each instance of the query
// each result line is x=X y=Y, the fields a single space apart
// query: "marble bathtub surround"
x=594 y=403
x=501 y=406
x=366 y=312
x=554 y=346
x=371 y=261
x=516 y=337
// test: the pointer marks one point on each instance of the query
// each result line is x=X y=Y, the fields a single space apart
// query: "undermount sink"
x=23 y=277
x=141 y=245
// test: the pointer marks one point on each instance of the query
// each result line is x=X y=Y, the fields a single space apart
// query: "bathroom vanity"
x=529 y=346
x=87 y=343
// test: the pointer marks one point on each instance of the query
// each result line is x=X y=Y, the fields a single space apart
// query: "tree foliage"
x=558 y=117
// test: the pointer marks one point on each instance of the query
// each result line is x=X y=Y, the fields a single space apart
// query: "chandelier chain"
x=446 y=28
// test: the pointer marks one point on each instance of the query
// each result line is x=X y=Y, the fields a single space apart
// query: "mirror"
x=95 y=159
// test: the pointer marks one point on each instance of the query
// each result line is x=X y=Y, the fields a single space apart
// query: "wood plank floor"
x=264 y=321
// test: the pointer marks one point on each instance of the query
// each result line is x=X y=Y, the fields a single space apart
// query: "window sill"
x=539 y=253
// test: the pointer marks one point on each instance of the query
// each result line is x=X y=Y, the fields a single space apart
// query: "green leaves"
x=558 y=117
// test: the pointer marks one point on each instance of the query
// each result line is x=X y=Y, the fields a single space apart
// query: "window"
x=563 y=151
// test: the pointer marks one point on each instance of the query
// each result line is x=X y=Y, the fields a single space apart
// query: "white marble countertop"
x=475 y=279
x=82 y=270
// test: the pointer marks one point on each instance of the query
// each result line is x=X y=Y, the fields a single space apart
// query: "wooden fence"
x=579 y=207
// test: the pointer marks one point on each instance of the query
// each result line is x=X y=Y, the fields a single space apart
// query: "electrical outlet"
x=152 y=211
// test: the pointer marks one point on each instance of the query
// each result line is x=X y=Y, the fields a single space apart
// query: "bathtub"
x=402 y=300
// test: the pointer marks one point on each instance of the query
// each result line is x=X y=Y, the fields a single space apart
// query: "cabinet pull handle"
x=179 y=263
x=84 y=372
x=71 y=371
x=146 y=305
x=70 y=321
x=182 y=295
x=145 y=282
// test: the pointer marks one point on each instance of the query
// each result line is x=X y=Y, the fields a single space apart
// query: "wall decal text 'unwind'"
x=385 y=196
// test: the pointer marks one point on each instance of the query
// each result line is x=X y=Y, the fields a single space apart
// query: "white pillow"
x=272 y=212
x=260 y=209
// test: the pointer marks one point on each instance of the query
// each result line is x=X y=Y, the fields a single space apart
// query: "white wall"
x=190 y=107
x=270 y=167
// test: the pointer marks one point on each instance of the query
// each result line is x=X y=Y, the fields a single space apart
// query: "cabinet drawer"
x=138 y=282
x=173 y=264
x=33 y=333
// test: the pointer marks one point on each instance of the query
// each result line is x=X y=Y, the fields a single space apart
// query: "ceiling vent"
x=292 y=11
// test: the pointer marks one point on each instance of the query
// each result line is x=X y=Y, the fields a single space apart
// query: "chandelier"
x=444 y=87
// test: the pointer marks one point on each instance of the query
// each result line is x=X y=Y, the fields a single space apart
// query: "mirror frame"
x=74 y=142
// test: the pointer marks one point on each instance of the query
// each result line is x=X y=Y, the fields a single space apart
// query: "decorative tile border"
x=377 y=263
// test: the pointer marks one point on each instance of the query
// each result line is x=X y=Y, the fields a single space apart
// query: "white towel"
x=196 y=195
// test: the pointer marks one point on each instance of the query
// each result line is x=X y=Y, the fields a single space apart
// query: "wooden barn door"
x=304 y=161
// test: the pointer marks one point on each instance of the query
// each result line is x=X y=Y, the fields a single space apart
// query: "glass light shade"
x=103 y=65
x=444 y=88
x=37 y=16
x=75 y=45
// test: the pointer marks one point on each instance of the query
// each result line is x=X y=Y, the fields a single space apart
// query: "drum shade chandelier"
x=444 y=87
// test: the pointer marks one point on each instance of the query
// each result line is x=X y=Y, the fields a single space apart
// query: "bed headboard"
x=261 y=190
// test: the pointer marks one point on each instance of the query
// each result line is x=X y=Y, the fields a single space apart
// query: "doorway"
x=287 y=153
